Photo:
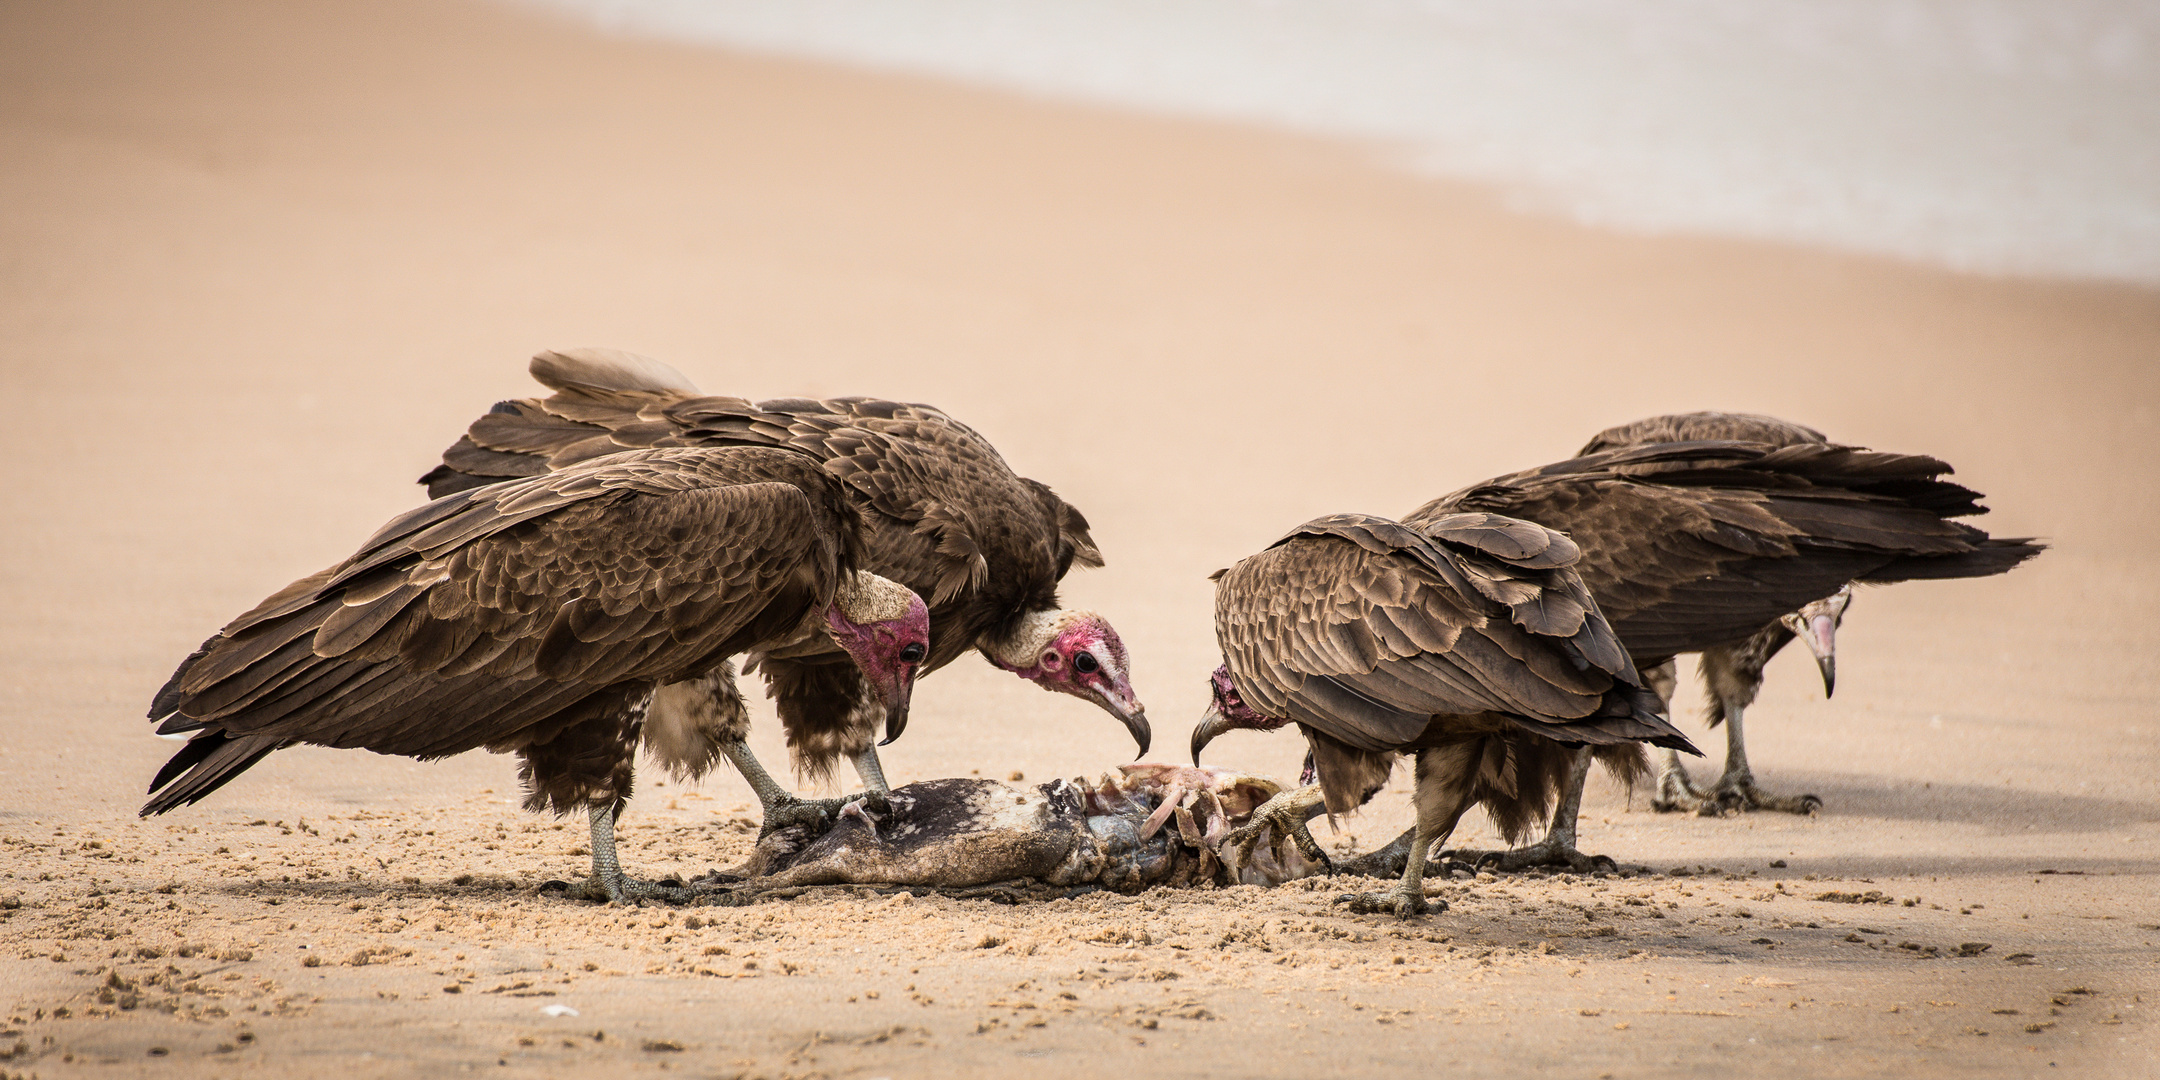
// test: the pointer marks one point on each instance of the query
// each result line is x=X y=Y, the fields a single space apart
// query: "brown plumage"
x=1703 y=546
x=1467 y=639
x=1690 y=545
x=533 y=617
x=944 y=515
x=1702 y=427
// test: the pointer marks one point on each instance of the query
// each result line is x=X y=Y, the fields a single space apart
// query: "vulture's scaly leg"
x=1286 y=814
x=608 y=882
x=1675 y=789
x=1558 y=847
x=782 y=808
x=1443 y=793
x=872 y=772
x=1736 y=789
x=1385 y=861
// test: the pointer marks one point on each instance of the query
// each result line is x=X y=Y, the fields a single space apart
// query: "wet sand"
x=263 y=262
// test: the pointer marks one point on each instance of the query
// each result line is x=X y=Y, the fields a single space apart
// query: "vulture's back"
x=1691 y=545
x=948 y=517
x=492 y=617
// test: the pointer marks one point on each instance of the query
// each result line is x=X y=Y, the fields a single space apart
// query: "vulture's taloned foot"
x=785 y=810
x=1546 y=852
x=1284 y=817
x=1676 y=791
x=788 y=811
x=817 y=815
x=1407 y=899
x=608 y=884
x=1401 y=903
x=1739 y=794
x=622 y=889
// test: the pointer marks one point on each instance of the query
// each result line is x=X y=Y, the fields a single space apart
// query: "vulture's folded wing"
x=1365 y=629
x=1691 y=545
x=951 y=514
x=471 y=619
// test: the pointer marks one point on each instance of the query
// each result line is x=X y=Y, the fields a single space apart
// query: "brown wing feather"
x=1692 y=545
x=951 y=520
x=1702 y=426
x=1367 y=630
x=521 y=599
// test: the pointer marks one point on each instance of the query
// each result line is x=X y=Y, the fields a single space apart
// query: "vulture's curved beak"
x=1211 y=724
x=1820 y=634
x=1142 y=735
x=896 y=705
x=1117 y=699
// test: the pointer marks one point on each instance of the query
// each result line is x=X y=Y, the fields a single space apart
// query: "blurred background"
x=2017 y=136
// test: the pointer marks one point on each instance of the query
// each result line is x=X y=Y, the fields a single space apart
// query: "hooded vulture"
x=943 y=515
x=538 y=617
x=1467 y=640
x=1694 y=546
x=1703 y=546
x=1733 y=672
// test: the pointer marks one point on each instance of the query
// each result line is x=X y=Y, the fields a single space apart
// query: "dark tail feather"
x=208 y=760
x=169 y=695
x=1628 y=716
x=1993 y=556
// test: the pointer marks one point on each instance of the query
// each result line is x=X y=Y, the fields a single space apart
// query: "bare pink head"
x=1077 y=653
x=886 y=629
x=1227 y=711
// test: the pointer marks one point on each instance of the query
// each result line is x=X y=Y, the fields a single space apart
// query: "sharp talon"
x=1401 y=905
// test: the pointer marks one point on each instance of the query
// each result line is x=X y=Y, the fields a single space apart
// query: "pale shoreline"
x=266 y=262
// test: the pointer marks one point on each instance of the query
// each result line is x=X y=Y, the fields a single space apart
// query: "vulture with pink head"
x=1706 y=545
x=1467 y=640
x=539 y=617
x=943 y=515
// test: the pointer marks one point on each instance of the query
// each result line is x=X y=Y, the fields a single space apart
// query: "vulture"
x=539 y=616
x=1696 y=546
x=1704 y=546
x=1467 y=640
x=943 y=515
x=1733 y=672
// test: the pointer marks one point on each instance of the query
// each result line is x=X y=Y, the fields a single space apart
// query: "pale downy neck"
x=1032 y=636
x=865 y=598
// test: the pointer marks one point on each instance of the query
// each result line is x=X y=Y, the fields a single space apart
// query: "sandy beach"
x=263 y=262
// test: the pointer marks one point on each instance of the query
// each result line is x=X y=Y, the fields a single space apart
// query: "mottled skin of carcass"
x=1113 y=832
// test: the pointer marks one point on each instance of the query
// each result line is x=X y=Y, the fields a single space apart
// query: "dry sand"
x=262 y=261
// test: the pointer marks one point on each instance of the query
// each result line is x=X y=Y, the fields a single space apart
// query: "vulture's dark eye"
x=913 y=654
x=1085 y=663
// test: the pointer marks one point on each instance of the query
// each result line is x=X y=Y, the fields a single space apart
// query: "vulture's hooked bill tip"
x=1141 y=733
x=895 y=723
x=1204 y=732
x=1819 y=631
